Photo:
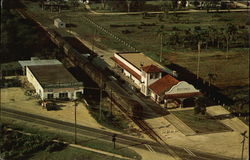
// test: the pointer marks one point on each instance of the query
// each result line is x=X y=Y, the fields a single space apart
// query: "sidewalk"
x=235 y=123
x=182 y=127
x=99 y=151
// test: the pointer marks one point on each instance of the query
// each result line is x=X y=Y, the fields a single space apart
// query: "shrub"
x=56 y=147
x=197 y=110
x=197 y=27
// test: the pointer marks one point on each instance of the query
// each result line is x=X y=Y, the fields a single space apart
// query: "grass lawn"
x=40 y=147
x=199 y=123
x=145 y=39
x=70 y=153
x=96 y=143
x=213 y=60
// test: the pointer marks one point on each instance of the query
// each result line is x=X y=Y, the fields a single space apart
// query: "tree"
x=211 y=77
x=230 y=32
x=174 y=4
x=196 y=3
x=187 y=37
x=126 y=5
x=103 y=4
x=74 y=3
x=200 y=105
x=212 y=32
x=183 y=3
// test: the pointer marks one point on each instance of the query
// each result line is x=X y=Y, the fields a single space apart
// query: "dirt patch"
x=15 y=98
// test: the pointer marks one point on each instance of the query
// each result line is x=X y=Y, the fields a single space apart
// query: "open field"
x=146 y=39
x=200 y=123
x=77 y=24
x=213 y=60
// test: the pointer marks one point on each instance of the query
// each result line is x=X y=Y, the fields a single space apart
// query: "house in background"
x=153 y=79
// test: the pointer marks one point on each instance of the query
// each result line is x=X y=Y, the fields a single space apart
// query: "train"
x=100 y=76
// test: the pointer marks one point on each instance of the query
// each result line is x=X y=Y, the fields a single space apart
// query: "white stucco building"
x=54 y=81
x=35 y=61
x=153 y=79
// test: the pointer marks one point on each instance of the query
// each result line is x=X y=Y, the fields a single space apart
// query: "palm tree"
x=212 y=31
x=230 y=32
x=211 y=78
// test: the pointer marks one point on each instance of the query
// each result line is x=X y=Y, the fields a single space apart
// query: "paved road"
x=159 y=12
x=125 y=140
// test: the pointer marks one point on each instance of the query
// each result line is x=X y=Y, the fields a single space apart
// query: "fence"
x=109 y=33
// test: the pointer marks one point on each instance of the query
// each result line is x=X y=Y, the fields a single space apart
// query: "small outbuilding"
x=54 y=82
x=59 y=23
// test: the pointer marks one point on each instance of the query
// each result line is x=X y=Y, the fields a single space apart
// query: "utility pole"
x=111 y=101
x=75 y=104
x=100 y=107
x=93 y=43
x=114 y=139
x=161 y=47
x=243 y=143
x=198 y=59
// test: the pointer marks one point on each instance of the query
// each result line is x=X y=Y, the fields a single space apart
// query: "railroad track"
x=149 y=131
x=141 y=123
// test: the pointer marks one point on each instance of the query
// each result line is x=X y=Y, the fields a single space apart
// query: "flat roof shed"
x=53 y=76
x=39 y=62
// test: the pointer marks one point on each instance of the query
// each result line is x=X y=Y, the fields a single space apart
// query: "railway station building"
x=153 y=79
x=54 y=82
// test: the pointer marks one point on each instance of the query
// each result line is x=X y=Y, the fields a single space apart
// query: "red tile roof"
x=151 y=69
x=163 y=84
x=182 y=95
x=124 y=66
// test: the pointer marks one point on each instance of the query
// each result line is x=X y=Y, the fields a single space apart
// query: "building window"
x=63 y=95
x=50 y=96
x=151 y=76
x=157 y=75
x=78 y=94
